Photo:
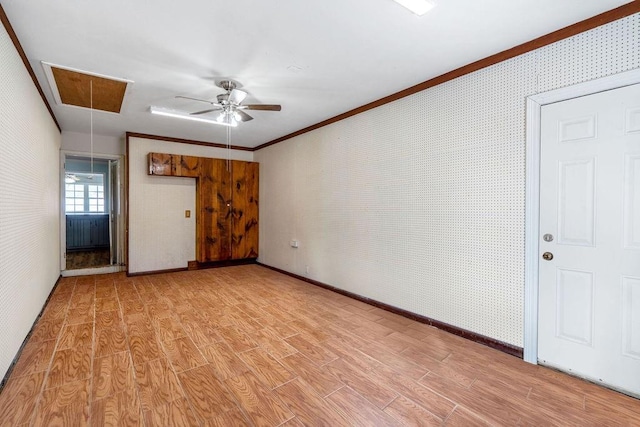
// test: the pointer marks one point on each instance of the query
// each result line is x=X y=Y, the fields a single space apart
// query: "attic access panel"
x=73 y=87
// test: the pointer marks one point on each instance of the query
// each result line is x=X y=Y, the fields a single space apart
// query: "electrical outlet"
x=307 y=269
x=294 y=243
x=187 y=214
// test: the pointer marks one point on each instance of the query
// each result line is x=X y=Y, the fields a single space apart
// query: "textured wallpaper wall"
x=420 y=203
x=29 y=202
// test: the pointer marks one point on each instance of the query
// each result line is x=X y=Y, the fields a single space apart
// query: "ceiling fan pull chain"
x=229 y=151
x=91 y=117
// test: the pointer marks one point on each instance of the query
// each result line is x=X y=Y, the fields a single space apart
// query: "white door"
x=589 y=292
x=114 y=202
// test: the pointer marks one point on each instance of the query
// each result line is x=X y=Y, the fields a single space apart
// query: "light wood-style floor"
x=249 y=346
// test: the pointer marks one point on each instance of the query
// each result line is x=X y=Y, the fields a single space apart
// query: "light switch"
x=187 y=214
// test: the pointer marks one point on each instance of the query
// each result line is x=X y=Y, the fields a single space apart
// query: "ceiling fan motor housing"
x=227 y=85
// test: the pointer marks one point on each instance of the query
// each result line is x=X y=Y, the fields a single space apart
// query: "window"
x=84 y=193
x=74 y=198
x=96 y=198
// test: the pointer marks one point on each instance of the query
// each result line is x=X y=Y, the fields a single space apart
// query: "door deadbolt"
x=548 y=256
x=548 y=237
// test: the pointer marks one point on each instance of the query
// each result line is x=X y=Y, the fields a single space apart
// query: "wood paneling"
x=190 y=166
x=244 y=239
x=176 y=165
x=160 y=164
x=222 y=203
x=239 y=184
x=214 y=210
x=206 y=215
x=226 y=203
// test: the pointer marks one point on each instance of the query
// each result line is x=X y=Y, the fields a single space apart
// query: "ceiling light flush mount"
x=180 y=115
x=419 y=7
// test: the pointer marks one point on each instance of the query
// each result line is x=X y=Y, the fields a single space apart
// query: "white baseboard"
x=89 y=271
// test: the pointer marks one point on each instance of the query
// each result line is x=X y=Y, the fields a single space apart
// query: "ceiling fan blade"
x=244 y=116
x=195 y=99
x=205 y=111
x=263 y=107
x=237 y=96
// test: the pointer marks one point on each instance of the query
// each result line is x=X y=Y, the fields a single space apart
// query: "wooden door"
x=214 y=211
x=244 y=237
x=589 y=307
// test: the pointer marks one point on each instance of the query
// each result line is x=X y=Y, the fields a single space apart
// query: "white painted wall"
x=420 y=203
x=102 y=144
x=160 y=237
x=29 y=202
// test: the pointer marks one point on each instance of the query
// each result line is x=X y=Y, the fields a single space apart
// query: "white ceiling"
x=345 y=53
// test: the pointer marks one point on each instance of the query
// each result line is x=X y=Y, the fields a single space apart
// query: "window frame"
x=89 y=194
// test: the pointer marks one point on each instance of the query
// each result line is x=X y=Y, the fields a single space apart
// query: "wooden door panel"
x=190 y=166
x=239 y=206
x=160 y=164
x=176 y=170
x=207 y=217
x=223 y=202
x=215 y=211
x=251 y=210
x=245 y=210
x=214 y=234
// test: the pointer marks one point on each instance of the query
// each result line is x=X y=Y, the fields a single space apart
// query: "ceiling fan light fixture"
x=419 y=7
x=180 y=115
x=236 y=96
x=227 y=119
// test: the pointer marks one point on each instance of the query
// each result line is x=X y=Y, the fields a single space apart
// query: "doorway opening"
x=91 y=211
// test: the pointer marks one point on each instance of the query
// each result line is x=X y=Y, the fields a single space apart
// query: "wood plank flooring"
x=248 y=346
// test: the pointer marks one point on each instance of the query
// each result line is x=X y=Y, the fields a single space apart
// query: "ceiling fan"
x=70 y=178
x=230 y=105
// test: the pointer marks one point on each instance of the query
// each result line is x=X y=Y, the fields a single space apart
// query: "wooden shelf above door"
x=226 y=203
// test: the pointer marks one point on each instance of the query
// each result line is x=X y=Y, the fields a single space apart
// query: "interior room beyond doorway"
x=88 y=208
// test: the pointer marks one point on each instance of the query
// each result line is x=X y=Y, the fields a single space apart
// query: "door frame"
x=532 y=191
x=63 y=223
